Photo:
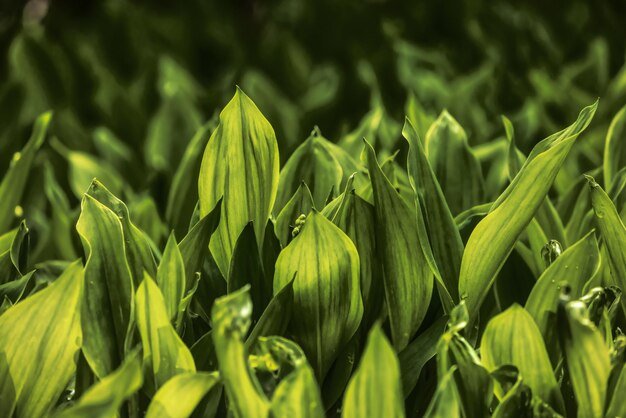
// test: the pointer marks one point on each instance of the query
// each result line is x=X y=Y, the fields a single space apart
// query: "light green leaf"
x=327 y=306
x=171 y=277
x=512 y=337
x=494 y=237
x=162 y=347
x=587 y=358
x=180 y=395
x=375 y=388
x=14 y=180
x=445 y=402
x=108 y=302
x=39 y=339
x=613 y=232
x=455 y=166
x=240 y=164
x=408 y=280
x=105 y=398
x=447 y=247
x=617 y=406
x=614 y=149
x=231 y=320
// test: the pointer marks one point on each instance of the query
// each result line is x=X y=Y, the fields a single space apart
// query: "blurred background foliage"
x=130 y=83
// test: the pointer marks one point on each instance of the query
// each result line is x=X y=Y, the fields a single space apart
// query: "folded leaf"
x=494 y=237
x=240 y=164
x=375 y=389
x=171 y=277
x=39 y=339
x=105 y=398
x=408 y=280
x=108 y=301
x=180 y=395
x=327 y=306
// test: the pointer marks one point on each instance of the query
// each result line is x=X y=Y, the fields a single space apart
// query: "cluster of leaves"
x=346 y=283
x=154 y=262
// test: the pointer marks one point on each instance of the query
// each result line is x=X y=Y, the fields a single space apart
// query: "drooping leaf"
x=39 y=339
x=108 y=301
x=375 y=389
x=494 y=237
x=327 y=305
x=14 y=180
x=180 y=395
x=408 y=280
x=240 y=164
x=105 y=398
x=231 y=320
x=501 y=344
x=454 y=164
x=162 y=347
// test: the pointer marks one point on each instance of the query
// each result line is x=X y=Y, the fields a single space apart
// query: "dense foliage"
x=400 y=260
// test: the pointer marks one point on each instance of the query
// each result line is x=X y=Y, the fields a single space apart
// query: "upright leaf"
x=180 y=395
x=408 y=280
x=240 y=164
x=171 y=277
x=375 y=389
x=162 y=347
x=454 y=163
x=14 y=180
x=327 y=305
x=614 y=149
x=108 y=301
x=494 y=237
x=39 y=339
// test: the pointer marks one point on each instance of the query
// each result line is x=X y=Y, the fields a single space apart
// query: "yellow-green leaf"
x=614 y=149
x=180 y=395
x=375 y=389
x=240 y=164
x=162 y=347
x=39 y=339
x=171 y=277
x=494 y=237
x=327 y=307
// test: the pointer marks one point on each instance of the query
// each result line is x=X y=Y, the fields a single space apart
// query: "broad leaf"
x=614 y=149
x=171 y=277
x=180 y=395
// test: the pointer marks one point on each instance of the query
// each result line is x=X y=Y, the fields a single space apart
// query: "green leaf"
x=171 y=277
x=613 y=232
x=240 y=164
x=614 y=150
x=327 y=307
x=617 y=406
x=39 y=339
x=13 y=260
x=375 y=388
x=231 y=320
x=104 y=399
x=275 y=317
x=502 y=343
x=573 y=268
x=447 y=247
x=415 y=356
x=62 y=216
x=408 y=280
x=319 y=163
x=494 y=237
x=183 y=193
x=454 y=163
x=162 y=347
x=14 y=180
x=108 y=302
x=587 y=358
x=445 y=402
x=180 y=395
